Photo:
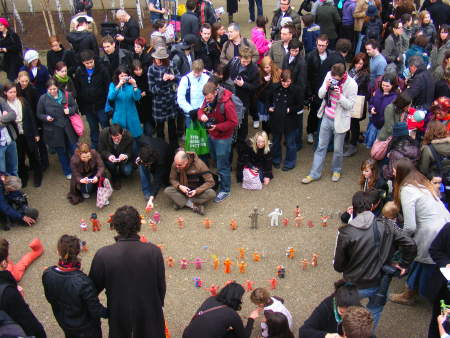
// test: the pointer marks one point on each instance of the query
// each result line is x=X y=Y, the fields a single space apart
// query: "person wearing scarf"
x=63 y=81
x=78 y=315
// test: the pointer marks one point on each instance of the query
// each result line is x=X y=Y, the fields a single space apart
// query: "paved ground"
x=302 y=290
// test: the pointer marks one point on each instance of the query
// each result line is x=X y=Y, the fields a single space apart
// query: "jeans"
x=148 y=128
x=325 y=134
x=148 y=188
x=87 y=188
x=9 y=162
x=94 y=119
x=251 y=8
x=64 y=155
x=291 y=149
x=119 y=169
x=220 y=152
x=375 y=310
x=359 y=42
x=371 y=135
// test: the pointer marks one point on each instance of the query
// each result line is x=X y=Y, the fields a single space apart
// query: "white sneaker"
x=69 y=177
x=310 y=139
x=85 y=196
x=256 y=124
x=250 y=21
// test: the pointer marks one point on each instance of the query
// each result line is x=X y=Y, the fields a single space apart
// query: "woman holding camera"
x=124 y=92
x=87 y=168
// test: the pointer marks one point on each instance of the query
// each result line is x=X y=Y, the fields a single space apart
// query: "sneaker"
x=69 y=177
x=310 y=139
x=250 y=21
x=199 y=209
x=350 y=151
x=221 y=196
x=307 y=179
x=85 y=196
x=336 y=176
x=256 y=124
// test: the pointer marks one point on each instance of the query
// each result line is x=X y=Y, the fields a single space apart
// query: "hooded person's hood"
x=224 y=95
x=363 y=220
x=76 y=37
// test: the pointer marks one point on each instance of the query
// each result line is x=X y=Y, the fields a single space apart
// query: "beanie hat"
x=4 y=22
x=30 y=56
x=372 y=11
x=400 y=129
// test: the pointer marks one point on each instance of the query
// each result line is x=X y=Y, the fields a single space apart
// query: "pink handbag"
x=104 y=192
x=75 y=119
x=379 y=149
x=250 y=179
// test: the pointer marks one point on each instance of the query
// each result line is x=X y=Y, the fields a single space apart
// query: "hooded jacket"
x=81 y=40
x=379 y=101
x=328 y=19
x=427 y=164
x=357 y=256
x=421 y=88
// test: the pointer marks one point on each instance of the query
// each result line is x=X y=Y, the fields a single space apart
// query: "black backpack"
x=373 y=30
x=8 y=327
x=443 y=168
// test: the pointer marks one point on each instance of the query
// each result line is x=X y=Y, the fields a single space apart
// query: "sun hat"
x=160 y=53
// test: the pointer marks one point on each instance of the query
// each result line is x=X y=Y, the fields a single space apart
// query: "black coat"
x=144 y=105
x=440 y=253
x=74 y=300
x=13 y=303
x=442 y=88
x=53 y=58
x=209 y=52
x=133 y=275
x=130 y=31
x=145 y=58
x=118 y=57
x=83 y=40
x=299 y=71
x=91 y=94
x=282 y=121
x=249 y=74
x=190 y=24
x=248 y=158
x=13 y=56
x=30 y=130
x=232 y=6
x=31 y=95
x=440 y=13
x=106 y=145
x=54 y=131
x=421 y=88
x=165 y=158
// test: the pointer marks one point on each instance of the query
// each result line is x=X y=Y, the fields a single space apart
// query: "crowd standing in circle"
x=337 y=61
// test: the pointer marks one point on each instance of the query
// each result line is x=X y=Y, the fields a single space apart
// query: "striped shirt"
x=331 y=110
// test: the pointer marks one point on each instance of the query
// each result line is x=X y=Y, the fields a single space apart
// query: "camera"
x=210 y=123
x=333 y=84
x=127 y=79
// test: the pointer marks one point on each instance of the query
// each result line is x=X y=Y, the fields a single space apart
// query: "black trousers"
x=93 y=332
x=171 y=128
x=313 y=120
x=25 y=149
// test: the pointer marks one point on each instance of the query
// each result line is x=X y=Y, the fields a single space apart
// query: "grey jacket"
x=327 y=17
x=277 y=53
x=394 y=47
x=7 y=121
x=437 y=55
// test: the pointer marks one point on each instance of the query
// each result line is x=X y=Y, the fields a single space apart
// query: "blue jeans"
x=94 y=119
x=251 y=8
x=375 y=310
x=325 y=134
x=371 y=135
x=9 y=162
x=148 y=187
x=220 y=152
x=119 y=169
x=291 y=149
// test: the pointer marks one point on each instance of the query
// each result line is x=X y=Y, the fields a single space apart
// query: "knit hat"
x=4 y=22
x=400 y=129
x=30 y=56
x=372 y=11
x=160 y=53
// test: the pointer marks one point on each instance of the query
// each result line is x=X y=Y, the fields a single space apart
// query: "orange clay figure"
x=256 y=256
x=215 y=262
x=184 y=263
x=242 y=266
x=180 y=222
x=207 y=223
x=233 y=224
x=143 y=221
x=297 y=211
x=324 y=220
x=298 y=221
x=314 y=260
x=143 y=239
x=170 y=262
x=310 y=224
x=249 y=285
x=227 y=263
x=304 y=264
x=153 y=225
x=109 y=218
x=96 y=226
x=83 y=225
x=273 y=283
x=241 y=253
x=290 y=252
x=285 y=221
x=18 y=269
x=148 y=209
x=213 y=289
x=83 y=246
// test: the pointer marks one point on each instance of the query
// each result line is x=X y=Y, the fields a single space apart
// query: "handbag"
x=358 y=107
x=379 y=149
x=196 y=139
x=104 y=192
x=75 y=119
x=250 y=179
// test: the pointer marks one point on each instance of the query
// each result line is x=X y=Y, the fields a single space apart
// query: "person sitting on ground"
x=191 y=182
x=14 y=204
x=78 y=315
x=326 y=319
x=116 y=149
x=277 y=325
x=261 y=298
x=357 y=322
x=87 y=168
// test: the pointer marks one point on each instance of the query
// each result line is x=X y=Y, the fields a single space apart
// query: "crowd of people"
x=176 y=103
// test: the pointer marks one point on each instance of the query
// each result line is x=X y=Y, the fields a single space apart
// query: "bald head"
x=181 y=160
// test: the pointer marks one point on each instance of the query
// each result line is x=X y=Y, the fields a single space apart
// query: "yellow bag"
x=181 y=9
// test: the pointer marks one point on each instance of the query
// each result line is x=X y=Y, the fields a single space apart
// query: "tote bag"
x=104 y=192
x=358 y=107
x=250 y=179
x=75 y=119
x=196 y=139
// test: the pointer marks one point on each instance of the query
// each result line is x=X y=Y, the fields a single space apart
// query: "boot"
x=407 y=297
x=18 y=270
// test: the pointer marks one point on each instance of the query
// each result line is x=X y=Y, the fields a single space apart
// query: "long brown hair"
x=372 y=165
x=275 y=71
x=406 y=173
x=435 y=130
x=365 y=60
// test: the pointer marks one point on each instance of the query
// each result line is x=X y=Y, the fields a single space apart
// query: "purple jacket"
x=380 y=101
x=347 y=12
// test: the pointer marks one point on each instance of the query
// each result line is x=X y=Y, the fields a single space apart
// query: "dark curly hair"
x=231 y=295
x=126 y=221
x=69 y=248
x=118 y=71
x=148 y=155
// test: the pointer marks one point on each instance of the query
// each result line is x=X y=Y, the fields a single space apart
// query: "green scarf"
x=62 y=79
x=59 y=98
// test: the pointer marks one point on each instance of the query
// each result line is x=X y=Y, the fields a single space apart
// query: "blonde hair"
x=83 y=148
x=23 y=73
x=254 y=141
x=390 y=210
x=198 y=65
x=422 y=15
x=275 y=71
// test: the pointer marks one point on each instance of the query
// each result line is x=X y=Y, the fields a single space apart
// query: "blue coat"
x=40 y=81
x=125 y=112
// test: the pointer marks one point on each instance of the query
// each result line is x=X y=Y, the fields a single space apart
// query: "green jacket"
x=328 y=19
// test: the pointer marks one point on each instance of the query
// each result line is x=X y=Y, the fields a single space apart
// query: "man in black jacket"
x=128 y=30
x=91 y=82
x=113 y=56
x=190 y=23
x=318 y=62
x=116 y=149
x=82 y=39
x=361 y=257
x=207 y=49
x=421 y=84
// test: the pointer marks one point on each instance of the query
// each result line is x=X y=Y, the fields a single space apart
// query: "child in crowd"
x=370 y=178
x=259 y=37
x=357 y=322
x=391 y=211
x=261 y=297
x=277 y=325
x=310 y=32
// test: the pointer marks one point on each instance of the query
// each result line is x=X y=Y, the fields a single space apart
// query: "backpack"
x=373 y=30
x=443 y=167
x=240 y=111
x=205 y=12
x=8 y=327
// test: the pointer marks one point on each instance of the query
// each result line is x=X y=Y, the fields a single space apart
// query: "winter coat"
x=400 y=147
x=14 y=305
x=118 y=57
x=164 y=93
x=144 y=105
x=81 y=40
x=429 y=31
x=227 y=53
x=437 y=55
x=5 y=206
x=440 y=253
x=80 y=169
x=161 y=168
x=362 y=80
x=40 y=80
x=30 y=130
x=205 y=12
x=250 y=76
x=276 y=22
x=13 y=56
x=31 y=95
x=106 y=146
x=69 y=86
x=416 y=50
x=360 y=12
x=394 y=47
x=53 y=58
x=309 y=37
x=130 y=31
x=180 y=60
x=318 y=70
x=328 y=19
x=421 y=88
x=344 y=105
x=442 y=88
x=56 y=130
x=277 y=53
x=357 y=256
x=427 y=164
x=299 y=72
x=262 y=44
x=125 y=112
x=73 y=298
x=224 y=112
x=248 y=158
x=440 y=13
x=391 y=116
x=92 y=92
x=146 y=59
x=190 y=24
x=283 y=99
x=209 y=52
x=379 y=101
x=137 y=308
x=424 y=216
x=347 y=13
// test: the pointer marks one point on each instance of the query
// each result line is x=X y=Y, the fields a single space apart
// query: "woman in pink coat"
x=259 y=37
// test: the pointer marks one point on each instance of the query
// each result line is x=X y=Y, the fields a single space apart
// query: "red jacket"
x=226 y=118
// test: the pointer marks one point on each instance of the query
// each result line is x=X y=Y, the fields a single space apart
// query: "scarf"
x=68 y=266
x=59 y=98
x=61 y=79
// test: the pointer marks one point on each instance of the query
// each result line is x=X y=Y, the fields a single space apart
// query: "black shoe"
x=37 y=181
x=276 y=166
x=286 y=169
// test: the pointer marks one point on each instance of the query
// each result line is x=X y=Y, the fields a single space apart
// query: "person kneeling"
x=87 y=167
x=191 y=182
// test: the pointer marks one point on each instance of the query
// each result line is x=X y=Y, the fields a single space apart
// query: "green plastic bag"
x=196 y=139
